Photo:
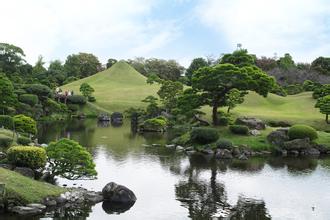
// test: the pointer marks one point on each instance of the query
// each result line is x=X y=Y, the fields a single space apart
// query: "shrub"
x=301 y=132
x=182 y=140
x=25 y=109
x=204 y=135
x=5 y=141
x=40 y=90
x=23 y=140
x=91 y=99
x=51 y=106
x=25 y=124
x=77 y=99
x=239 y=129
x=27 y=156
x=294 y=89
x=73 y=107
x=224 y=144
x=279 y=124
x=6 y=121
x=225 y=119
x=29 y=99
x=155 y=124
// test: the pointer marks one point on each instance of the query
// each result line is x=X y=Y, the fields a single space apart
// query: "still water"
x=170 y=185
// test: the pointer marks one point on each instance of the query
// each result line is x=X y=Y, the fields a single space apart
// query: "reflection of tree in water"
x=249 y=209
x=294 y=165
x=80 y=212
x=255 y=164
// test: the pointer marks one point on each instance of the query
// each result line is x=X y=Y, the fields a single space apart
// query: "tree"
x=86 y=90
x=195 y=65
x=11 y=58
x=169 y=92
x=82 y=65
x=189 y=103
x=321 y=65
x=152 y=108
x=111 y=62
x=70 y=160
x=7 y=96
x=323 y=104
x=214 y=83
x=239 y=58
x=235 y=97
x=39 y=66
x=286 y=62
x=56 y=72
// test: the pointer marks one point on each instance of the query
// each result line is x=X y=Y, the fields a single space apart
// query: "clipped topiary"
x=27 y=156
x=6 y=121
x=239 y=129
x=29 y=99
x=5 y=141
x=154 y=124
x=23 y=140
x=301 y=132
x=25 y=124
x=204 y=135
x=224 y=144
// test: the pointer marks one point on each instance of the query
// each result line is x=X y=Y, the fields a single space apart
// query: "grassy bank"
x=25 y=189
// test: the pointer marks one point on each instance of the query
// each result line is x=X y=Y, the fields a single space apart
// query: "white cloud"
x=300 y=27
x=56 y=29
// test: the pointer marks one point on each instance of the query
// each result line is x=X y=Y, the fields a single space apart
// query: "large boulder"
x=252 y=123
x=26 y=210
x=117 y=118
x=278 y=137
x=25 y=171
x=223 y=154
x=113 y=192
x=297 y=144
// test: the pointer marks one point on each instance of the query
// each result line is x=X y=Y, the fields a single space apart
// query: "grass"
x=25 y=189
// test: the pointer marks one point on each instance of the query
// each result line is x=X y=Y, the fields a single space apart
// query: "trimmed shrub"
x=279 y=124
x=73 y=107
x=224 y=118
x=224 y=144
x=204 y=135
x=239 y=129
x=91 y=99
x=155 y=124
x=27 y=156
x=77 y=99
x=23 y=140
x=29 y=99
x=294 y=89
x=6 y=121
x=5 y=141
x=182 y=140
x=40 y=90
x=25 y=124
x=24 y=109
x=301 y=132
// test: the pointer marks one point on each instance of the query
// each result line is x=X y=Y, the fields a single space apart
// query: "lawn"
x=26 y=189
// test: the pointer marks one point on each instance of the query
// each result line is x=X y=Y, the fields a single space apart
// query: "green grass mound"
x=301 y=132
x=25 y=189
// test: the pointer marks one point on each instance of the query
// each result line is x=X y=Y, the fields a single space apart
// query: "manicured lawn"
x=26 y=189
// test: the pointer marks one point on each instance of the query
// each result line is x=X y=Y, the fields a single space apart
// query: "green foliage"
x=321 y=91
x=24 y=141
x=238 y=58
x=188 y=103
x=279 y=90
x=29 y=99
x=225 y=118
x=234 y=98
x=294 y=89
x=70 y=160
x=76 y=99
x=266 y=63
x=204 y=135
x=43 y=92
x=51 y=106
x=5 y=141
x=155 y=124
x=11 y=59
x=323 y=104
x=239 y=129
x=224 y=144
x=321 y=65
x=86 y=90
x=309 y=85
x=39 y=66
x=27 y=156
x=195 y=65
x=70 y=80
x=6 y=121
x=111 y=62
x=7 y=95
x=168 y=93
x=82 y=65
x=286 y=62
x=301 y=132
x=91 y=99
x=152 y=109
x=73 y=107
x=25 y=124
x=183 y=140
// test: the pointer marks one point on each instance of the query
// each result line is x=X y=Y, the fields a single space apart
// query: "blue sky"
x=178 y=29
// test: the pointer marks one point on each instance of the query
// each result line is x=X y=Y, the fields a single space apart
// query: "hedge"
x=204 y=135
x=239 y=129
x=29 y=99
x=301 y=132
x=27 y=156
x=6 y=121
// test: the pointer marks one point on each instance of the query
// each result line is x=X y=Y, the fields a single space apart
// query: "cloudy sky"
x=178 y=29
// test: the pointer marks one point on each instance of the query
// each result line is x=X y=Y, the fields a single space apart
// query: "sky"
x=168 y=29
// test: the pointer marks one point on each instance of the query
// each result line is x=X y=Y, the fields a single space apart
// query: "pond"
x=171 y=185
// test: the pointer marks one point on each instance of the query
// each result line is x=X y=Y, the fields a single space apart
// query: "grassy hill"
x=121 y=87
x=117 y=88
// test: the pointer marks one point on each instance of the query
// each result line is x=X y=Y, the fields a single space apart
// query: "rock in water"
x=113 y=192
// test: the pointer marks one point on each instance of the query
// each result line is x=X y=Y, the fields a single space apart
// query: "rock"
x=294 y=153
x=170 y=145
x=278 y=137
x=113 y=192
x=117 y=118
x=252 y=123
x=265 y=152
x=44 y=145
x=60 y=200
x=255 y=132
x=7 y=166
x=323 y=149
x=179 y=148
x=37 y=205
x=207 y=151
x=311 y=152
x=49 y=202
x=243 y=157
x=156 y=145
x=297 y=144
x=190 y=152
x=94 y=197
x=223 y=154
x=25 y=210
x=236 y=151
x=3 y=155
x=25 y=171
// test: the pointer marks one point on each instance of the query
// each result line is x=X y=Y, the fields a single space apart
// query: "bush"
x=25 y=124
x=224 y=144
x=239 y=129
x=29 y=99
x=91 y=99
x=73 y=107
x=182 y=140
x=6 y=121
x=23 y=140
x=5 y=141
x=155 y=124
x=294 y=89
x=40 y=90
x=301 y=132
x=76 y=99
x=27 y=156
x=204 y=135
x=225 y=119
x=279 y=124
x=25 y=109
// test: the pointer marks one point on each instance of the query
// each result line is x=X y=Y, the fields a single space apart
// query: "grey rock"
x=37 y=205
x=265 y=152
x=236 y=151
x=252 y=123
x=278 y=137
x=3 y=155
x=179 y=148
x=255 y=132
x=312 y=152
x=117 y=193
x=243 y=157
x=7 y=166
x=94 y=197
x=170 y=145
x=156 y=145
x=297 y=144
x=25 y=171
x=207 y=151
x=60 y=200
x=49 y=202
x=190 y=152
x=294 y=153
x=25 y=210
x=223 y=154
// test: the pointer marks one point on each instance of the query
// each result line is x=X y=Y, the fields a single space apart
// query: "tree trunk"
x=215 y=115
x=327 y=118
x=228 y=110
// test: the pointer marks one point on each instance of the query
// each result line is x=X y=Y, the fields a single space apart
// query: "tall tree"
x=214 y=83
x=82 y=65
x=286 y=62
x=195 y=65
x=239 y=58
x=323 y=104
x=11 y=58
x=111 y=62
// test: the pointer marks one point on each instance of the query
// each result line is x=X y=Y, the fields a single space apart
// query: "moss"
x=302 y=131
